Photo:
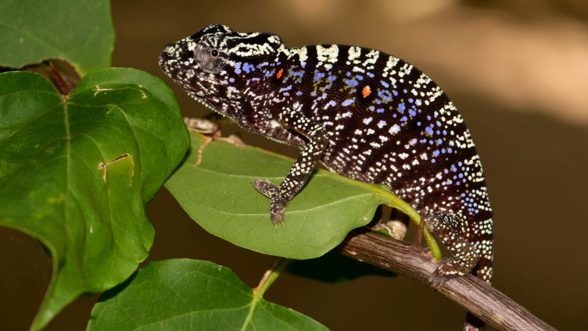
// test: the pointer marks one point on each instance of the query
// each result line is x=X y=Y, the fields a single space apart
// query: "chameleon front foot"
x=277 y=203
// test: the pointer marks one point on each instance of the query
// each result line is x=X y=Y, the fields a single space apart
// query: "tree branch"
x=478 y=297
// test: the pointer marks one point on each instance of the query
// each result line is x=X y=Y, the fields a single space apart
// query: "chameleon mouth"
x=166 y=57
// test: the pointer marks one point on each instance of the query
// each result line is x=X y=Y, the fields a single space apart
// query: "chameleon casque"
x=364 y=114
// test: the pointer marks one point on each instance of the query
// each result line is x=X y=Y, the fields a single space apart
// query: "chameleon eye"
x=209 y=59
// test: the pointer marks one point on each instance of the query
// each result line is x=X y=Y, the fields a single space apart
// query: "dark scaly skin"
x=362 y=113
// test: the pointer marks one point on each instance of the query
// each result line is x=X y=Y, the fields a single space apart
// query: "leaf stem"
x=270 y=276
x=394 y=201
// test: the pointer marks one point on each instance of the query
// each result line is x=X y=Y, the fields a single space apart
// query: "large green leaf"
x=187 y=294
x=76 y=172
x=79 y=32
x=217 y=193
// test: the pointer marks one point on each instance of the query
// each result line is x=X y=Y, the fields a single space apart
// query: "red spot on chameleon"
x=366 y=91
x=280 y=73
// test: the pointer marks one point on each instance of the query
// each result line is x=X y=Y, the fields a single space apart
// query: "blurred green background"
x=517 y=70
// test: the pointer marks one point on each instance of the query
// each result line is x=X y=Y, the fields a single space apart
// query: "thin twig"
x=492 y=306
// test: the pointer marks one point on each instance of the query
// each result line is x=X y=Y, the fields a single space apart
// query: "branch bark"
x=478 y=297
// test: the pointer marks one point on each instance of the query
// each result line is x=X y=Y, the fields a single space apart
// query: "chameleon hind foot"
x=463 y=254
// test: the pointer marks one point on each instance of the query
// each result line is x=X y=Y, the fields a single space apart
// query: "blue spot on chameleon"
x=410 y=100
x=317 y=76
x=401 y=107
x=297 y=73
x=412 y=112
x=385 y=95
x=429 y=130
x=380 y=110
x=332 y=78
x=395 y=93
x=385 y=84
x=347 y=102
x=237 y=67
x=248 y=67
x=370 y=75
x=351 y=82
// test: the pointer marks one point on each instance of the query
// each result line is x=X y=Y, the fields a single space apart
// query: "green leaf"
x=80 y=32
x=218 y=195
x=76 y=172
x=184 y=294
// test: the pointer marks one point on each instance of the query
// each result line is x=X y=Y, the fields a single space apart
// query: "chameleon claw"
x=277 y=210
x=438 y=279
x=447 y=270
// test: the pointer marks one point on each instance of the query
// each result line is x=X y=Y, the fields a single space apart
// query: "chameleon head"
x=208 y=64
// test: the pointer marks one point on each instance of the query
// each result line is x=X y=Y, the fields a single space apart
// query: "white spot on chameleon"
x=354 y=54
x=327 y=54
x=301 y=52
x=394 y=129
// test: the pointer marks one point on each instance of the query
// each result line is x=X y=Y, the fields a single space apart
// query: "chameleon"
x=359 y=112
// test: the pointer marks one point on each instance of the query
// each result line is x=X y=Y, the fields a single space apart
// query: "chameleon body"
x=364 y=114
